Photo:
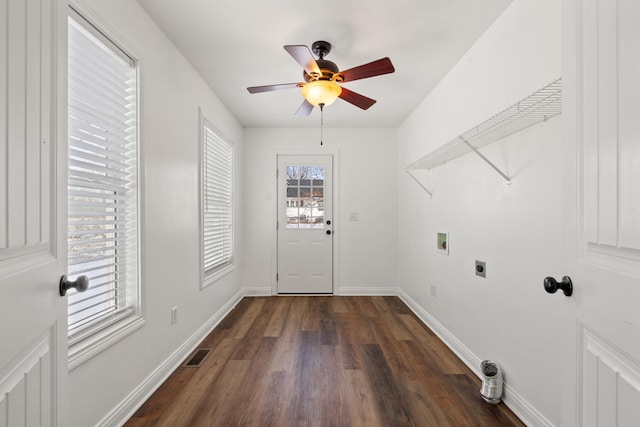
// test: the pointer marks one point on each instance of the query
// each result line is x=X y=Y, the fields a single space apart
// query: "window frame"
x=215 y=274
x=109 y=330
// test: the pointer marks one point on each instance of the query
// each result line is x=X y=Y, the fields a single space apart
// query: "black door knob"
x=551 y=285
x=81 y=284
x=328 y=231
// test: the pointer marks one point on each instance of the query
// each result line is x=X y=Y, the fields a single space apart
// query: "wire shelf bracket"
x=537 y=107
x=419 y=183
x=489 y=162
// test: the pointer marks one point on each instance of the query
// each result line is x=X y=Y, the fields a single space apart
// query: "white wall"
x=516 y=230
x=366 y=260
x=171 y=94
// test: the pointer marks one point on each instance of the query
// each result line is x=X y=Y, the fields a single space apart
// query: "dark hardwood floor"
x=322 y=361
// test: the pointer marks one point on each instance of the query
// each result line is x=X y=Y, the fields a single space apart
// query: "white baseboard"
x=350 y=291
x=121 y=413
x=353 y=291
x=511 y=398
x=463 y=353
x=257 y=291
x=523 y=409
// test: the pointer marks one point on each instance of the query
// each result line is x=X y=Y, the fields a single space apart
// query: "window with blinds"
x=102 y=180
x=217 y=173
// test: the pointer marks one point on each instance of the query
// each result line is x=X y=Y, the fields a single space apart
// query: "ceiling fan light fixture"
x=323 y=92
x=323 y=78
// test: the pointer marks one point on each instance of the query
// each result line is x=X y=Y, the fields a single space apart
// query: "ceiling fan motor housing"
x=328 y=69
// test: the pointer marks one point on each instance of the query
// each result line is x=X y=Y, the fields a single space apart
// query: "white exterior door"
x=33 y=363
x=602 y=214
x=305 y=227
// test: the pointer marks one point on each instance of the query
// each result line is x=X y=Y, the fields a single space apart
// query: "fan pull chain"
x=321 y=121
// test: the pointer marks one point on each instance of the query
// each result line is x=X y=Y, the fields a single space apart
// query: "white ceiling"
x=238 y=43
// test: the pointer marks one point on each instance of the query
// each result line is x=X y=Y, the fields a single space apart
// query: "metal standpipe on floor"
x=491 y=389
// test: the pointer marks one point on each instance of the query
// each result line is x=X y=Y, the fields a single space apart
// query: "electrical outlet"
x=354 y=216
x=434 y=290
x=481 y=268
x=174 y=315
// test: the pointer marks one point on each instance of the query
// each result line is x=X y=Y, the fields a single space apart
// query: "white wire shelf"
x=537 y=107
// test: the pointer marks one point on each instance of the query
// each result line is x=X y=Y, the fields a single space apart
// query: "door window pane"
x=305 y=197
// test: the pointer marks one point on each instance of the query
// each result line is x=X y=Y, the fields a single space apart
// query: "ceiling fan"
x=323 y=79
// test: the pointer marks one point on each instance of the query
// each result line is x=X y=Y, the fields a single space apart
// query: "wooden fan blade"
x=305 y=108
x=356 y=99
x=270 y=88
x=304 y=57
x=372 y=69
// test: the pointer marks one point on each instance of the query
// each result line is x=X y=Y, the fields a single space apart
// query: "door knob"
x=81 y=284
x=328 y=231
x=551 y=285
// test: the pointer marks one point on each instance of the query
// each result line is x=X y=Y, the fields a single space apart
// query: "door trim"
x=286 y=151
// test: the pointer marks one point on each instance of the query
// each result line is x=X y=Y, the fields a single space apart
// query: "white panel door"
x=305 y=229
x=601 y=357
x=33 y=332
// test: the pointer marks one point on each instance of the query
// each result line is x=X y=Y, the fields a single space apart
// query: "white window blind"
x=102 y=180
x=217 y=202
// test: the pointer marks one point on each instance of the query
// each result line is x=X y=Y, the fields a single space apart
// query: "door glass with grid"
x=305 y=197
